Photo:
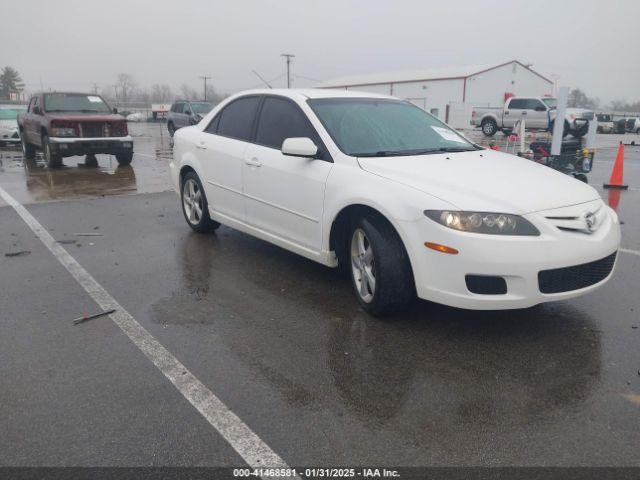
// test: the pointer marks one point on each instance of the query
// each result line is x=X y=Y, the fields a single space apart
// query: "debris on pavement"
x=91 y=317
x=21 y=253
x=90 y=234
x=66 y=242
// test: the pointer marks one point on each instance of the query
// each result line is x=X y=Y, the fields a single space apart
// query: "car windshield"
x=73 y=102
x=9 y=114
x=201 y=107
x=604 y=118
x=368 y=127
x=550 y=102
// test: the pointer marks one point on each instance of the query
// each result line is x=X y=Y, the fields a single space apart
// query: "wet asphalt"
x=281 y=341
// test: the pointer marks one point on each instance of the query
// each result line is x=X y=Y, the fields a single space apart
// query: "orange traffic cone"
x=618 y=171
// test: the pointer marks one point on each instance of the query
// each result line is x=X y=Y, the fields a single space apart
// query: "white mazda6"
x=403 y=202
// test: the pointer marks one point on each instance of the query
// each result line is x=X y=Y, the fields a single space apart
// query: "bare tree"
x=125 y=84
x=213 y=96
x=161 y=93
x=188 y=93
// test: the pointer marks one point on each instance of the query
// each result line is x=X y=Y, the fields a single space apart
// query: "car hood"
x=8 y=125
x=85 y=117
x=484 y=180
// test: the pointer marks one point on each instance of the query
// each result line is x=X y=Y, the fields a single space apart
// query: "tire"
x=489 y=127
x=124 y=158
x=51 y=160
x=28 y=150
x=171 y=128
x=195 y=207
x=381 y=274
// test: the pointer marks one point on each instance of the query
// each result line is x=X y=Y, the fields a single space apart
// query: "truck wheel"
x=194 y=204
x=171 y=128
x=381 y=274
x=28 y=150
x=52 y=160
x=489 y=127
x=124 y=158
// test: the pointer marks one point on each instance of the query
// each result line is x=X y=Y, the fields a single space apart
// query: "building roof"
x=442 y=73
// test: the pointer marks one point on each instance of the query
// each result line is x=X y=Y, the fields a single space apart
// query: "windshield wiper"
x=457 y=149
x=424 y=151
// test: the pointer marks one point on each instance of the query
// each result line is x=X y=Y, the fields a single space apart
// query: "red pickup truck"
x=67 y=124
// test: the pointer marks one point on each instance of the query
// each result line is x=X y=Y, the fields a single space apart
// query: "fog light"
x=441 y=248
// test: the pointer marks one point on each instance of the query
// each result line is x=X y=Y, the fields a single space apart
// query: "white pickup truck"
x=539 y=114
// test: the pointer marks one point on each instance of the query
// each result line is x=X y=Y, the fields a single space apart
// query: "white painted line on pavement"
x=243 y=440
x=632 y=252
x=154 y=156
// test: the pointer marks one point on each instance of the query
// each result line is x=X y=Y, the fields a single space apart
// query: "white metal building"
x=451 y=93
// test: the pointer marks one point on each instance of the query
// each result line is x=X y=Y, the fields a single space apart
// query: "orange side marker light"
x=441 y=248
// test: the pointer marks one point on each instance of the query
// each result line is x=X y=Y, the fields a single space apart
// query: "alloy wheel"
x=363 y=265
x=192 y=201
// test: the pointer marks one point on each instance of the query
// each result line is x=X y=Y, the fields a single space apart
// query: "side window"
x=186 y=108
x=534 y=103
x=281 y=119
x=236 y=120
x=177 y=108
x=518 y=103
x=213 y=125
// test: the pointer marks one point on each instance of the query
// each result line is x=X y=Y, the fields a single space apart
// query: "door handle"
x=201 y=146
x=254 y=162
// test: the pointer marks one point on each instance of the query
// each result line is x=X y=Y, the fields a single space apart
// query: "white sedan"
x=406 y=204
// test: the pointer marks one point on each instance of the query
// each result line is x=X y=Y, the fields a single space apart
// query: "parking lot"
x=281 y=342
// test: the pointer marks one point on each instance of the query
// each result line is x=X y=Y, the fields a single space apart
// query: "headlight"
x=63 y=132
x=483 y=222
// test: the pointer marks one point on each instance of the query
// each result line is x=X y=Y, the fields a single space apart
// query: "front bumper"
x=70 y=146
x=9 y=136
x=517 y=259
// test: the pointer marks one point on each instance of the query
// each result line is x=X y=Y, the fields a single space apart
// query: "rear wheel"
x=489 y=127
x=381 y=274
x=51 y=159
x=124 y=158
x=28 y=150
x=194 y=204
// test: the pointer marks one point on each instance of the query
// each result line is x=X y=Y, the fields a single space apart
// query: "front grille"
x=93 y=129
x=574 y=278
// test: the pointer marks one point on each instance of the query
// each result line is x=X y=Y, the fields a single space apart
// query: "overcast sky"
x=70 y=44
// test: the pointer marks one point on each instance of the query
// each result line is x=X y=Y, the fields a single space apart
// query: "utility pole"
x=205 y=78
x=288 y=56
x=95 y=88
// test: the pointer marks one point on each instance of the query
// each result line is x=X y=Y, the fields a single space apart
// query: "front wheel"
x=381 y=274
x=28 y=150
x=51 y=159
x=194 y=204
x=124 y=158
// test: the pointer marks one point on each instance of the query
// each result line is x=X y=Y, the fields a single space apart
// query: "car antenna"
x=260 y=77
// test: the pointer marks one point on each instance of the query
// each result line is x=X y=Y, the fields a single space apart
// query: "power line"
x=260 y=77
x=288 y=56
x=205 y=78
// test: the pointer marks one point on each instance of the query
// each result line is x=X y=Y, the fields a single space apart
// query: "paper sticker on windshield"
x=94 y=99
x=448 y=135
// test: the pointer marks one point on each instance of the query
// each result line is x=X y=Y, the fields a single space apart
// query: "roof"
x=442 y=73
x=305 y=93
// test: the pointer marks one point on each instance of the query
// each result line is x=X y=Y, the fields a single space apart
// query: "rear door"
x=221 y=147
x=285 y=194
x=514 y=111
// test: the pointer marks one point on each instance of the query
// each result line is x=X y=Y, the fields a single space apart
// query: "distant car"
x=403 y=201
x=184 y=113
x=605 y=123
x=632 y=124
x=66 y=124
x=135 y=117
x=9 y=132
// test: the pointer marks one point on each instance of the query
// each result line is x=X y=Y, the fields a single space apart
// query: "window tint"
x=177 y=107
x=281 y=119
x=236 y=120
x=213 y=125
x=519 y=103
x=187 y=108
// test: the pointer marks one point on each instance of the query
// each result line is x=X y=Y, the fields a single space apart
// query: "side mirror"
x=36 y=110
x=540 y=109
x=115 y=110
x=187 y=112
x=299 y=147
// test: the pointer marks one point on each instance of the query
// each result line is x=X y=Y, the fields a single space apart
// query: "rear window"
x=72 y=102
x=236 y=120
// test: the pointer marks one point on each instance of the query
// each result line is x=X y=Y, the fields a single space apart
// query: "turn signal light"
x=441 y=248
